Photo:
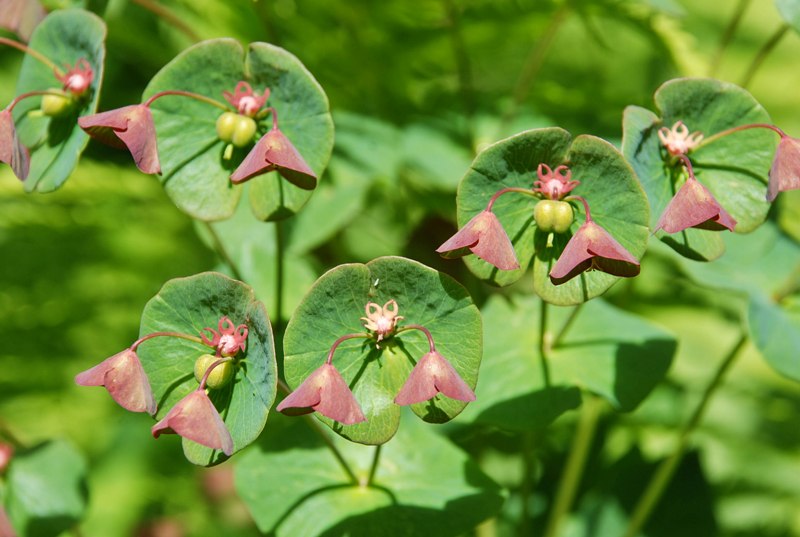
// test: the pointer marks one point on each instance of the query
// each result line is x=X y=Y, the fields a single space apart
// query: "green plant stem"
x=189 y=94
x=376 y=457
x=312 y=422
x=33 y=53
x=762 y=54
x=222 y=252
x=661 y=479
x=576 y=462
x=567 y=325
x=280 y=261
x=169 y=17
x=727 y=36
x=527 y=483
x=545 y=343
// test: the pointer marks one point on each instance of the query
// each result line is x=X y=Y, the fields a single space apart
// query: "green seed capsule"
x=219 y=376
x=551 y=215
x=55 y=105
x=226 y=125
x=243 y=131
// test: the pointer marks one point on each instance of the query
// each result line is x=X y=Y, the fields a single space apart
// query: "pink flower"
x=125 y=379
x=130 y=126
x=77 y=80
x=195 y=418
x=274 y=152
x=785 y=171
x=485 y=237
x=245 y=100
x=593 y=248
x=554 y=184
x=381 y=320
x=433 y=374
x=12 y=152
x=677 y=140
x=326 y=392
x=694 y=206
x=229 y=339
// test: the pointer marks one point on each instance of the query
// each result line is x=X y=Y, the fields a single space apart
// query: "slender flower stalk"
x=33 y=53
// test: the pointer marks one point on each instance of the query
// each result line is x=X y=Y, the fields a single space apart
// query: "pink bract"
x=326 y=392
x=274 y=152
x=124 y=378
x=433 y=374
x=694 y=206
x=593 y=248
x=194 y=417
x=785 y=171
x=245 y=100
x=485 y=237
x=12 y=152
x=128 y=127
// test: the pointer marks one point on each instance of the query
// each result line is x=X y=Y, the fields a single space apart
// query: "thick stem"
x=191 y=95
x=424 y=330
x=661 y=479
x=526 y=191
x=164 y=334
x=33 y=53
x=576 y=462
x=336 y=343
x=280 y=260
x=317 y=428
x=222 y=252
x=545 y=343
x=762 y=54
x=727 y=36
x=169 y=17
x=376 y=457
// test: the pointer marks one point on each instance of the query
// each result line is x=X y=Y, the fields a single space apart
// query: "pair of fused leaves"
x=734 y=168
x=376 y=373
x=195 y=173
x=607 y=182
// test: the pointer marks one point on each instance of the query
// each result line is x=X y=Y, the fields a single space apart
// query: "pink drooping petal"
x=326 y=392
x=592 y=247
x=194 y=417
x=485 y=237
x=124 y=378
x=785 y=171
x=433 y=374
x=12 y=152
x=128 y=127
x=21 y=16
x=694 y=206
x=274 y=152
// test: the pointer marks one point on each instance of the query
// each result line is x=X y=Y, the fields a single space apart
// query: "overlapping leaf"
x=187 y=305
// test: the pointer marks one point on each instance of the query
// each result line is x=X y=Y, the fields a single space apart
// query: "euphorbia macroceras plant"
x=193 y=417
x=590 y=248
x=326 y=392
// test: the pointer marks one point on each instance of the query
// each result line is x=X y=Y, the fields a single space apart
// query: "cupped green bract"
x=376 y=373
x=194 y=172
x=617 y=203
x=187 y=305
x=56 y=143
x=734 y=167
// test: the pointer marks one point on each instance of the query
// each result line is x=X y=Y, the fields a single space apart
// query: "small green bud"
x=244 y=131
x=55 y=105
x=219 y=376
x=551 y=215
x=226 y=124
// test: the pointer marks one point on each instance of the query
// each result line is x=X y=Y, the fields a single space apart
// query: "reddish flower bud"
x=433 y=374
x=229 y=339
x=694 y=206
x=326 y=392
x=12 y=152
x=128 y=127
x=554 y=184
x=77 y=80
x=381 y=320
x=274 y=152
x=785 y=171
x=125 y=379
x=195 y=417
x=485 y=237
x=245 y=100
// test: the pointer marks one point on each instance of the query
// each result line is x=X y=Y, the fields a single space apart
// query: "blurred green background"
x=416 y=88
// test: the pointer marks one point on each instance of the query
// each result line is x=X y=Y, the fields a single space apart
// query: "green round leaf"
x=607 y=182
x=187 y=305
x=46 y=492
x=376 y=373
x=423 y=485
x=56 y=143
x=790 y=11
x=614 y=354
x=775 y=330
x=194 y=172
x=734 y=168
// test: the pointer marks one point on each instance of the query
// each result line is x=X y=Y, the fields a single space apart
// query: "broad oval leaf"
x=423 y=485
x=194 y=172
x=734 y=167
x=57 y=143
x=617 y=203
x=187 y=305
x=376 y=373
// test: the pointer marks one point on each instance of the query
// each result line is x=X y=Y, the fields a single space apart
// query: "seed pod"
x=551 y=215
x=219 y=376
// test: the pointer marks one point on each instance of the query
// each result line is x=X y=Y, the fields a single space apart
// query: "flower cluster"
x=591 y=247
x=325 y=390
x=193 y=417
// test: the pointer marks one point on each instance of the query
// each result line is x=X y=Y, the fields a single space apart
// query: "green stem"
x=376 y=457
x=189 y=94
x=727 y=36
x=566 y=326
x=169 y=17
x=661 y=479
x=280 y=260
x=545 y=343
x=576 y=462
x=312 y=422
x=527 y=483
x=222 y=252
x=762 y=54
x=33 y=53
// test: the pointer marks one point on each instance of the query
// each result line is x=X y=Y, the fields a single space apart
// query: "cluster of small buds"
x=591 y=247
x=325 y=390
x=193 y=417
